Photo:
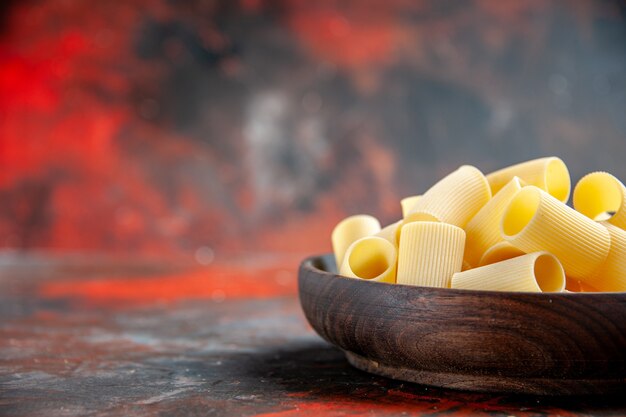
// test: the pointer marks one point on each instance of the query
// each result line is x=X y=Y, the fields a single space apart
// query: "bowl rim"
x=309 y=264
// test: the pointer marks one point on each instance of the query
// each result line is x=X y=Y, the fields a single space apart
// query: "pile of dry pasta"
x=510 y=230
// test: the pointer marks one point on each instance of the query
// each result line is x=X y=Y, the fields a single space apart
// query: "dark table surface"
x=93 y=335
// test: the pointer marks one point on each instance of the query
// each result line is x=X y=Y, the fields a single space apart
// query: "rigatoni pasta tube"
x=550 y=174
x=455 y=199
x=372 y=258
x=483 y=230
x=501 y=251
x=534 y=272
x=407 y=204
x=349 y=230
x=391 y=233
x=574 y=285
x=599 y=194
x=430 y=252
x=534 y=221
x=465 y=266
x=612 y=275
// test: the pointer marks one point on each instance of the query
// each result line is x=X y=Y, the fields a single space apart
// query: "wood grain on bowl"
x=533 y=343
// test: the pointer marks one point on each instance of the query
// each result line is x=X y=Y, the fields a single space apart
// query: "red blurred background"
x=209 y=128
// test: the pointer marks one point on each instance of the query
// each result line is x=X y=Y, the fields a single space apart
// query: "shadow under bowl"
x=529 y=343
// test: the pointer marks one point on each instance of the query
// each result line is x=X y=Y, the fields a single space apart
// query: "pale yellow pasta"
x=534 y=272
x=430 y=252
x=535 y=221
x=455 y=199
x=603 y=216
x=501 y=251
x=483 y=230
x=598 y=194
x=391 y=232
x=612 y=275
x=408 y=203
x=372 y=258
x=550 y=174
x=349 y=230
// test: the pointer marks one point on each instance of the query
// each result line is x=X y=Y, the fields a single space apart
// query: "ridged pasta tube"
x=407 y=204
x=430 y=252
x=533 y=272
x=574 y=285
x=599 y=194
x=612 y=275
x=501 y=251
x=372 y=258
x=535 y=221
x=455 y=199
x=349 y=230
x=550 y=174
x=391 y=233
x=483 y=230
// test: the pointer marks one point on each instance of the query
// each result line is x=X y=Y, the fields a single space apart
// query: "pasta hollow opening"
x=557 y=179
x=549 y=273
x=520 y=211
x=370 y=258
x=598 y=195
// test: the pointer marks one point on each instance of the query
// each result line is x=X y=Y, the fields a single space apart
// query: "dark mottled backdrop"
x=175 y=128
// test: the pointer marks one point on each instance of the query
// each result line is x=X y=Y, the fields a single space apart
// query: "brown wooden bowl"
x=531 y=343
